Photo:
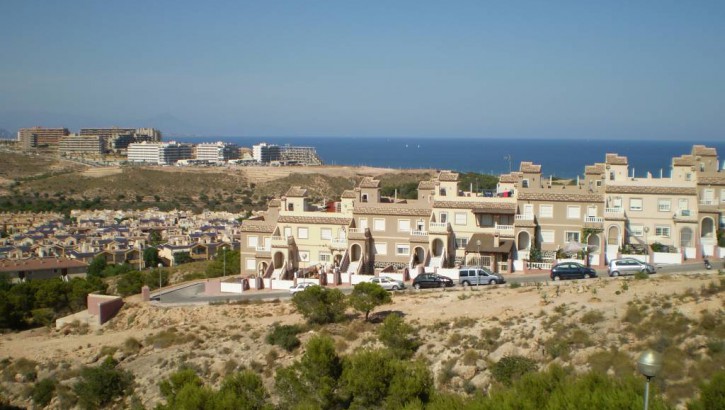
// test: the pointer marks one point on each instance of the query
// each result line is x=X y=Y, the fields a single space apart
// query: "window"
x=364 y=198
x=443 y=217
x=573 y=212
x=403 y=225
x=363 y=223
x=250 y=264
x=287 y=232
x=683 y=204
x=635 y=204
x=381 y=248
x=252 y=241
x=663 y=231
x=461 y=243
x=402 y=249
x=664 y=205
x=599 y=182
x=325 y=257
x=326 y=233
x=722 y=195
x=611 y=175
x=617 y=203
x=571 y=236
x=546 y=211
x=485 y=220
x=303 y=233
x=378 y=224
x=636 y=230
x=524 y=183
x=460 y=218
x=688 y=177
x=547 y=236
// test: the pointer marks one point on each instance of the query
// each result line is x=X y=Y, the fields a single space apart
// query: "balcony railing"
x=505 y=230
x=356 y=230
x=613 y=212
x=263 y=248
x=707 y=202
x=414 y=232
x=524 y=217
x=338 y=243
x=593 y=219
x=438 y=226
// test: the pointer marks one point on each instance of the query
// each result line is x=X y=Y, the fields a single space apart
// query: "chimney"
x=496 y=242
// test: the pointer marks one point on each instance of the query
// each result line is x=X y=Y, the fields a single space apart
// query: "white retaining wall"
x=708 y=251
x=452 y=273
x=722 y=252
x=690 y=253
x=230 y=287
x=361 y=278
x=667 y=258
x=396 y=276
x=280 y=284
x=641 y=258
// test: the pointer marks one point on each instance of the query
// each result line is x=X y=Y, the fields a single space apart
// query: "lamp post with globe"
x=649 y=363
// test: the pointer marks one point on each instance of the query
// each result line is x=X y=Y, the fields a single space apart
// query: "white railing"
x=505 y=229
x=418 y=233
x=593 y=219
x=356 y=230
x=614 y=211
x=263 y=248
x=540 y=265
x=438 y=226
x=524 y=217
x=707 y=202
x=338 y=242
x=683 y=213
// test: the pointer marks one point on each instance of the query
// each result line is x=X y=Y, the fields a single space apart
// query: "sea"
x=565 y=158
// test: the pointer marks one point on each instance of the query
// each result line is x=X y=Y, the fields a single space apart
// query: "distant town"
x=107 y=146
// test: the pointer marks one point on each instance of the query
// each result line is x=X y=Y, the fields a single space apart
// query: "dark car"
x=572 y=270
x=431 y=280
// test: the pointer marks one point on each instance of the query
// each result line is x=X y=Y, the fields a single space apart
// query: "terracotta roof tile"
x=487 y=207
x=369 y=182
x=530 y=167
x=426 y=185
x=348 y=193
x=714 y=180
x=448 y=176
x=11 y=265
x=393 y=210
x=257 y=226
x=554 y=196
x=655 y=190
x=321 y=219
x=704 y=151
x=614 y=159
x=683 y=161
x=596 y=169
x=508 y=178
x=296 y=192
x=274 y=203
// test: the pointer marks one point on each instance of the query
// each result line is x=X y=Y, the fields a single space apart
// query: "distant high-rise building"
x=265 y=153
x=81 y=144
x=217 y=151
x=165 y=153
x=39 y=137
x=117 y=139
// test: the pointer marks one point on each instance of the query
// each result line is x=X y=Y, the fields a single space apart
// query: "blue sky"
x=579 y=69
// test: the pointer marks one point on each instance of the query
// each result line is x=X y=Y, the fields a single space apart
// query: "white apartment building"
x=217 y=151
x=265 y=153
x=158 y=153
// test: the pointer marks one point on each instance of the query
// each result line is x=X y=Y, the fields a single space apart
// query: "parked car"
x=388 y=283
x=628 y=266
x=301 y=286
x=478 y=276
x=432 y=280
x=572 y=270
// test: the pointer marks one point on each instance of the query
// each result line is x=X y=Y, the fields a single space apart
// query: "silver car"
x=628 y=266
x=388 y=283
x=478 y=276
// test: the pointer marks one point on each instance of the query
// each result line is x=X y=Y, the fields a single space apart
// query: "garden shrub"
x=284 y=336
x=511 y=368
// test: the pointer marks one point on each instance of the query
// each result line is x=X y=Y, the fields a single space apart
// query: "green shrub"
x=592 y=317
x=398 y=336
x=367 y=296
x=42 y=392
x=99 y=386
x=712 y=394
x=320 y=305
x=515 y=285
x=284 y=336
x=511 y=368
x=641 y=275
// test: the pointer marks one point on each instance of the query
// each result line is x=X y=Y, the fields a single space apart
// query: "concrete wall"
x=231 y=287
x=667 y=258
x=104 y=307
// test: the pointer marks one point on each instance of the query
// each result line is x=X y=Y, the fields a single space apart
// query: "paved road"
x=194 y=294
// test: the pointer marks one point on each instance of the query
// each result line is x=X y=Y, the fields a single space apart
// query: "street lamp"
x=224 y=251
x=649 y=363
x=478 y=244
x=646 y=242
x=161 y=265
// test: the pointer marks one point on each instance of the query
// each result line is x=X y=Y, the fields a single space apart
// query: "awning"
x=486 y=244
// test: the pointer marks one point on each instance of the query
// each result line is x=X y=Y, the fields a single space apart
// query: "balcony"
x=414 y=232
x=263 y=248
x=438 y=227
x=524 y=217
x=708 y=202
x=593 y=219
x=356 y=233
x=504 y=230
x=340 y=243
x=279 y=242
x=614 y=213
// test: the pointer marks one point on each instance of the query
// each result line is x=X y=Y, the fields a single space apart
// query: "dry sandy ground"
x=219 y=339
